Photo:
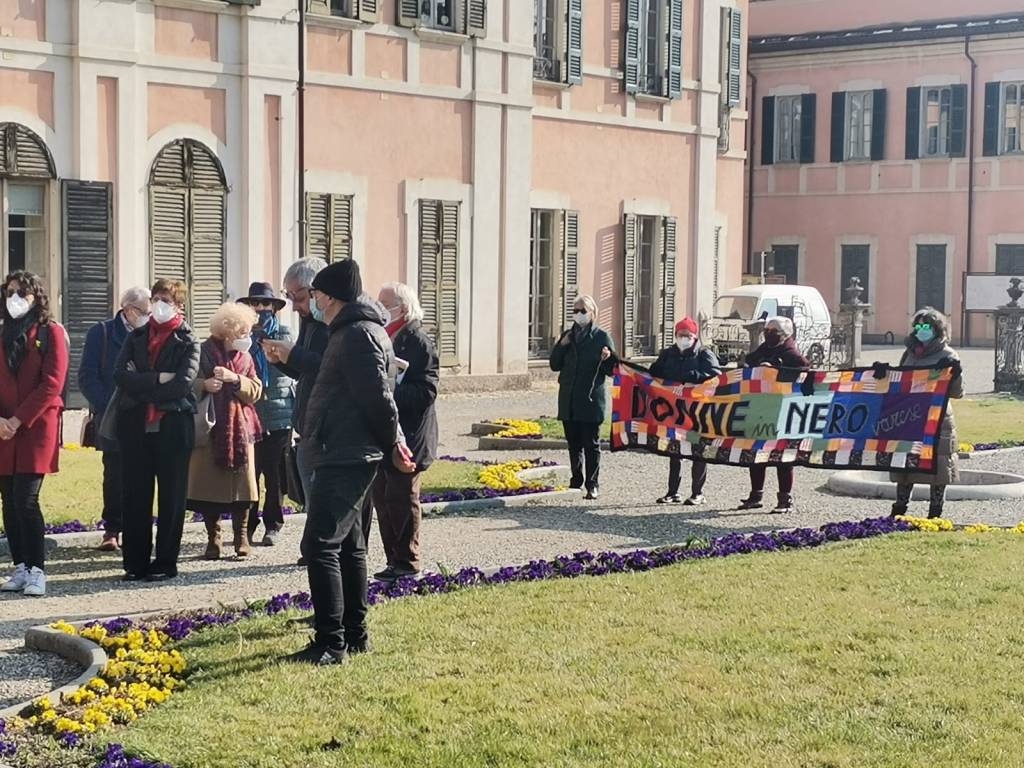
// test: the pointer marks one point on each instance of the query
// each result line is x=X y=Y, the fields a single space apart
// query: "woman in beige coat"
x=222 y=472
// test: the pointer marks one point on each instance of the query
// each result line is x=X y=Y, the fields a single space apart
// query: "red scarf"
x=238 y=426
x=394 y=327
x=159 y=333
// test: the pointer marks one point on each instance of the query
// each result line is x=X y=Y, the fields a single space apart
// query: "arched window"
x=26 y=168
x=187 y=214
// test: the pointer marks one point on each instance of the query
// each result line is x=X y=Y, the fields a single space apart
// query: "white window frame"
x=860 y=115
x=652 y=62
x=788 y=114
x=944 y=126
x=542 y=349
x=5 y=230
x=1005 y=147
x=549 y=59
x=432 y=19
x=653 y=288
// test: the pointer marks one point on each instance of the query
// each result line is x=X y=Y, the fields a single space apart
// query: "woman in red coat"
x=33 y=367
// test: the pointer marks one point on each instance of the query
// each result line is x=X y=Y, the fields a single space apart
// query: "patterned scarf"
x=270 y=327
x=159 y=333
x=237 y=425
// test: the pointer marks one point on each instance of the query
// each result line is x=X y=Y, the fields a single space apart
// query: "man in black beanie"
x=352 y=425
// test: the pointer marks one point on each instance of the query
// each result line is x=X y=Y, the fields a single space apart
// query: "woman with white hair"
x=779 y=350
x=583 y=357
x=222 y=473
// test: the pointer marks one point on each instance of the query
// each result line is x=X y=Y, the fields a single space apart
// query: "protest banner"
x=864 y=418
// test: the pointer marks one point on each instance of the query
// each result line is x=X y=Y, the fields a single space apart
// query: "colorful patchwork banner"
x=845 y=418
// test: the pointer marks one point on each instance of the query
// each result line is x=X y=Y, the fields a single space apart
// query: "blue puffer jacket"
x=275 y=407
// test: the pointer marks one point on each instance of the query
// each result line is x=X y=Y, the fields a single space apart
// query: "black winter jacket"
x=304 y=364
x=694 y=366
x=416 y=393
x=784 y=355
x=180 y=356
x=351 y=417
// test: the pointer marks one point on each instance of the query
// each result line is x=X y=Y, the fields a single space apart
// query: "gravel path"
x=85 y=584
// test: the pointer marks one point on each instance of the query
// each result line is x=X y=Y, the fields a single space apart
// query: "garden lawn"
x=901 y=652
x=990 y=419
x=551 y=429
x=75 y=493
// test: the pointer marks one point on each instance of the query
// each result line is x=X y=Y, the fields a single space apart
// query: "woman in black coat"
x=687 y=362
x=583 y=358
x=779 y=350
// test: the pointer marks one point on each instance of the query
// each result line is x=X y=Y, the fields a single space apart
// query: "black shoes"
x=696 y=500
x=753 y=501
x=318 y=656
x=161 y=575
x=130 y=576
x=785 y=505
x=671 y=498
x=593 y=493
x=391 y=574
x=898 y=510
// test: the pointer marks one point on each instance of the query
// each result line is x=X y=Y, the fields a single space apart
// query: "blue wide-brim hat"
x=262 y=292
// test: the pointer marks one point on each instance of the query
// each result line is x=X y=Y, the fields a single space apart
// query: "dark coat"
x=784 y=355
x=180 y=356
x=416 y=393
x=582 y=394
x=351 y=417
x=277 y=405
x=102 y=347
x=694 y=366
x=33 y=395
x=304 y=364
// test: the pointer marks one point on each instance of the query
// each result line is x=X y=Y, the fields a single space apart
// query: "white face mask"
x=17 y=306
x=685 y=342
x=243 y=344
x=163 y=312
x=141 y=320
x=581 y=318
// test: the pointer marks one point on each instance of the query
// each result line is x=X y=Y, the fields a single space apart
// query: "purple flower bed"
x=980 y=447
x=475 y=494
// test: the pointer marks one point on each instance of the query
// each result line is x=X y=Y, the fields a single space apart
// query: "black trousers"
x=148 y=459
x=584 y=448
x=698 y=476
x=335 y=553
x=23 y=520
x=757 y=478
x=113 y=493
x=269 y=458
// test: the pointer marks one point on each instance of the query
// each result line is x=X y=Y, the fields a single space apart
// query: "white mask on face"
x=141 y=320
x=17 y=306
x=685 y=342
x=243 y=344
x=163 y=312
x=581 y=318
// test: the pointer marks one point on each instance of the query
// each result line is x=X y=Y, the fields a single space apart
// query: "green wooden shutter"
x=368 y=11
x=430 y=249
x=879 y=120
x=958 y=122
x=674 y=72
x=808 y=119
x=318 y=225
x=629 y=284
x=574 y=42
x=838 y=127
x=206 y=262
x=22 y=153
x=735 y=83
x=767 y=130
x=570 y=263
x=475 y=15
x=168 y=233
x=913 y=134
x=341 y=228
x=990 y=141
x=408 y=13
x=631 y=69
x=88 y=266
x=669 y=249
x=448 y=292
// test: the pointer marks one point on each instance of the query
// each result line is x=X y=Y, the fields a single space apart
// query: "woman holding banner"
x=928 y=347
x=583 y=357
x=689 y=362
x=779 y=350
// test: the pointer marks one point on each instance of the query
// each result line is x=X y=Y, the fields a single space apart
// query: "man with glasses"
x=301 y=360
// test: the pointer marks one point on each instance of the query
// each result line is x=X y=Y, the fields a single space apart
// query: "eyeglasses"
x=23 y=292
x=298 y=295
x=922 y=326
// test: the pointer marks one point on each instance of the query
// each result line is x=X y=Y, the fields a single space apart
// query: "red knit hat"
x=687 y=325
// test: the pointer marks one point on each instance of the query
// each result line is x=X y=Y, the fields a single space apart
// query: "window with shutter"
x=855 y=261
x=859 y=122
x=570 y=265
x=439 y=276
x=788 y=128
x=735 y=80
x=547 y=27
x=648 y=283
x=1010 y=259
x=1012 y=121
x=574 y=42
x=88 y=266
x=879 y=107
x=668 y=282
x=187 y=224
x=366 y=10
x=631 y=237
x=23 y=153
x=545 y=282
x=631 y=45
x=930 y=282
x=942 y=119
x=329 y=226
x=674 y=72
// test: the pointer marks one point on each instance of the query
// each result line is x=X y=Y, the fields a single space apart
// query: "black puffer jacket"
x=179 y=355
x=694 y=366
x=351 y=417
x=416 y=393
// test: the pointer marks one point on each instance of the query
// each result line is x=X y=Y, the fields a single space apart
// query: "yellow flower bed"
x=141 y=673
x=966 y=448
x=930 y=525
x=518 y=428
x=505 y=477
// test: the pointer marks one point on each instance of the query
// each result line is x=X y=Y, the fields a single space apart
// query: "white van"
x=738 y=307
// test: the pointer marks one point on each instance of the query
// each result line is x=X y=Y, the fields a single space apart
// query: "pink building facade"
x=887 y=146
x=502 y=156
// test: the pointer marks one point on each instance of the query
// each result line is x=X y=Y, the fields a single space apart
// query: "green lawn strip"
x=75 y=493
x=989 y=419
x=551 y=429
x=901 y=652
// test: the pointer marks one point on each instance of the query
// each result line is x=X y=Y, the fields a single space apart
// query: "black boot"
x=934 y=511
x=753 y=501
x=898 y=509
x=785 y=505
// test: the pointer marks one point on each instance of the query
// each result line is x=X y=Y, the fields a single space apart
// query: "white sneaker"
x=35 y=583
x=17 y=581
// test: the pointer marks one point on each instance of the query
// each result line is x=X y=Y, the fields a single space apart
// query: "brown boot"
x=239 y=522
x=212 y=521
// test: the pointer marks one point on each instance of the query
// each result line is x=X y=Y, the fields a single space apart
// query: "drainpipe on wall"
x=751 y=145
x=965 y=326
x=301 y=113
